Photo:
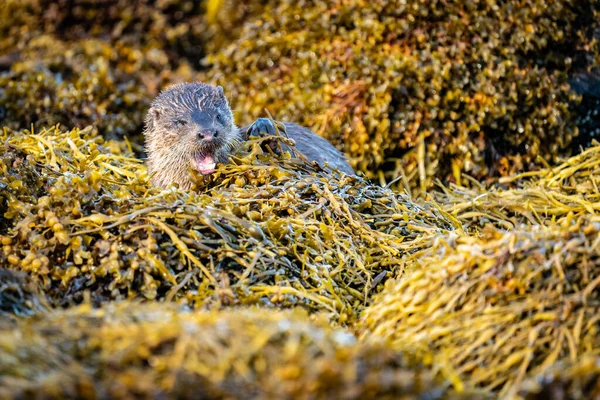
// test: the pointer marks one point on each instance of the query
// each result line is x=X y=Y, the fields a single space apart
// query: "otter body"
x=191 y=125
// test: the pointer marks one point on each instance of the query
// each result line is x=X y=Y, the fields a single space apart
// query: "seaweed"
x=273 y=277
x=183 y=31
x=419 y=89
x=54 y=83
x=267 y=230
x=123 y=55
x=568 y=189
x=514 y=295
x=490 y=311
x=128 y=350
x=575 y=379
x=19 y=297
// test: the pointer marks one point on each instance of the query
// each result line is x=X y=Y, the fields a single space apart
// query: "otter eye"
x=180 y=122
x=219 y=118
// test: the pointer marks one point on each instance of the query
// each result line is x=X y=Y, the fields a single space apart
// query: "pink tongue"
x=205 y=164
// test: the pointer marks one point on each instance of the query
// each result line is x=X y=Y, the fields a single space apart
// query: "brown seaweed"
x=155 y=350
x=270 y=230
x=515 y=295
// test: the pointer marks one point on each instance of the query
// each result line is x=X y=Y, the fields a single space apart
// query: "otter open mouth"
x=204 y=163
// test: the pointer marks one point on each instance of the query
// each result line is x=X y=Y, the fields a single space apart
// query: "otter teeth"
x=205 y=164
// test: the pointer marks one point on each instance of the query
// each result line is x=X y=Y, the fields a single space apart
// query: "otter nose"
x=207 y=134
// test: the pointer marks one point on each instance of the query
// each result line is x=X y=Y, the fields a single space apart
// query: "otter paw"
x=261 y=127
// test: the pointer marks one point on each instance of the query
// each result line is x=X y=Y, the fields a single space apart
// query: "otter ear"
x=155 y=114
x=220 y=91
x=152 y=118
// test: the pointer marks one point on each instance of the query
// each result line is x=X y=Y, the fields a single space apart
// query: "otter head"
x=188 y=125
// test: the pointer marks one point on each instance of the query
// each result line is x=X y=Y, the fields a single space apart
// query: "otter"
x=191 y=125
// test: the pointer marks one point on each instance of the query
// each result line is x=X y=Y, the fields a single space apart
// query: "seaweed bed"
x=462 y=262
